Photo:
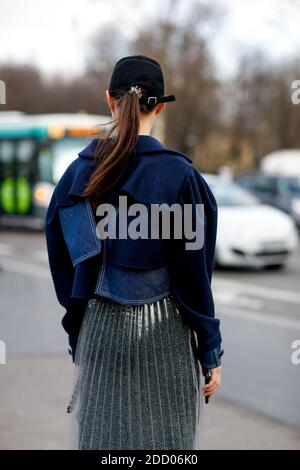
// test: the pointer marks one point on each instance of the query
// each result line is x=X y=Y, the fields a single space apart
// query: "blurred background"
x=233 y=66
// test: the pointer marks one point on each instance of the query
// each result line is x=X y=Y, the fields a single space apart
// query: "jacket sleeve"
x=58 y=256
x=191 y=269
x=62 y=273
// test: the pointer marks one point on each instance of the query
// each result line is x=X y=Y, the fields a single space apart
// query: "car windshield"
x=232 y=195
x=290 y=185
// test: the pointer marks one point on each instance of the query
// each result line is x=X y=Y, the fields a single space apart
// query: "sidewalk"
x=35 y=392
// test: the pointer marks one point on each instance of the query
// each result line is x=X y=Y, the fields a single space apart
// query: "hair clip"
x=136 y=89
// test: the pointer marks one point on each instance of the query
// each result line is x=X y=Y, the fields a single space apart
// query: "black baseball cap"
x=143 y=71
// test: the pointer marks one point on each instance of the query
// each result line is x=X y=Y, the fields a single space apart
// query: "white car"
x=250 y=233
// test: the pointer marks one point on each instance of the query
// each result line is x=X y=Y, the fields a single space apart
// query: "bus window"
x=6 y=158
x=6 y=176
x=25 y=153
x=17 y=173
x=26 y=170
x=45 y=165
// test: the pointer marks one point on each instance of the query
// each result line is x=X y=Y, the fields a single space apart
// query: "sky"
x=54 y=34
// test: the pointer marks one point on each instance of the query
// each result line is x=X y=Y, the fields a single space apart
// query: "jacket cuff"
x=211 y=359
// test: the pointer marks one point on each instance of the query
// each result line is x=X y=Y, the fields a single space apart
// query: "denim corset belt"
x=132 y=271
x=130 y=285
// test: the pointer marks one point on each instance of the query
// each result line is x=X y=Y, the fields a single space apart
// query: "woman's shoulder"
x=195 y=189
x=155 y=178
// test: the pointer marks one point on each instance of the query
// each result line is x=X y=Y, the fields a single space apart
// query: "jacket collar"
x=146 y=144
x=77 y=178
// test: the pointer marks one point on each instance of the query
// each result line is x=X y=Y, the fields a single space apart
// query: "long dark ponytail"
x=112 y=154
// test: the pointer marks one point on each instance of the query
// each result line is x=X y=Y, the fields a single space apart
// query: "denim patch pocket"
x=79 y=230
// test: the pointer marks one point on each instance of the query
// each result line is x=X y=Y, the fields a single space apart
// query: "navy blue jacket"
x=138 y=271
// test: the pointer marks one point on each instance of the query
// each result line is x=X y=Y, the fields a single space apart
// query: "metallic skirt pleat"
x=137 y=382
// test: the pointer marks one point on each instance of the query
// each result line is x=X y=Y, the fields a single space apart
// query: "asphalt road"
x=259 y=312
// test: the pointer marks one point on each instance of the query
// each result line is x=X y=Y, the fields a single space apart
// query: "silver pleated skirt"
x=137 y=382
